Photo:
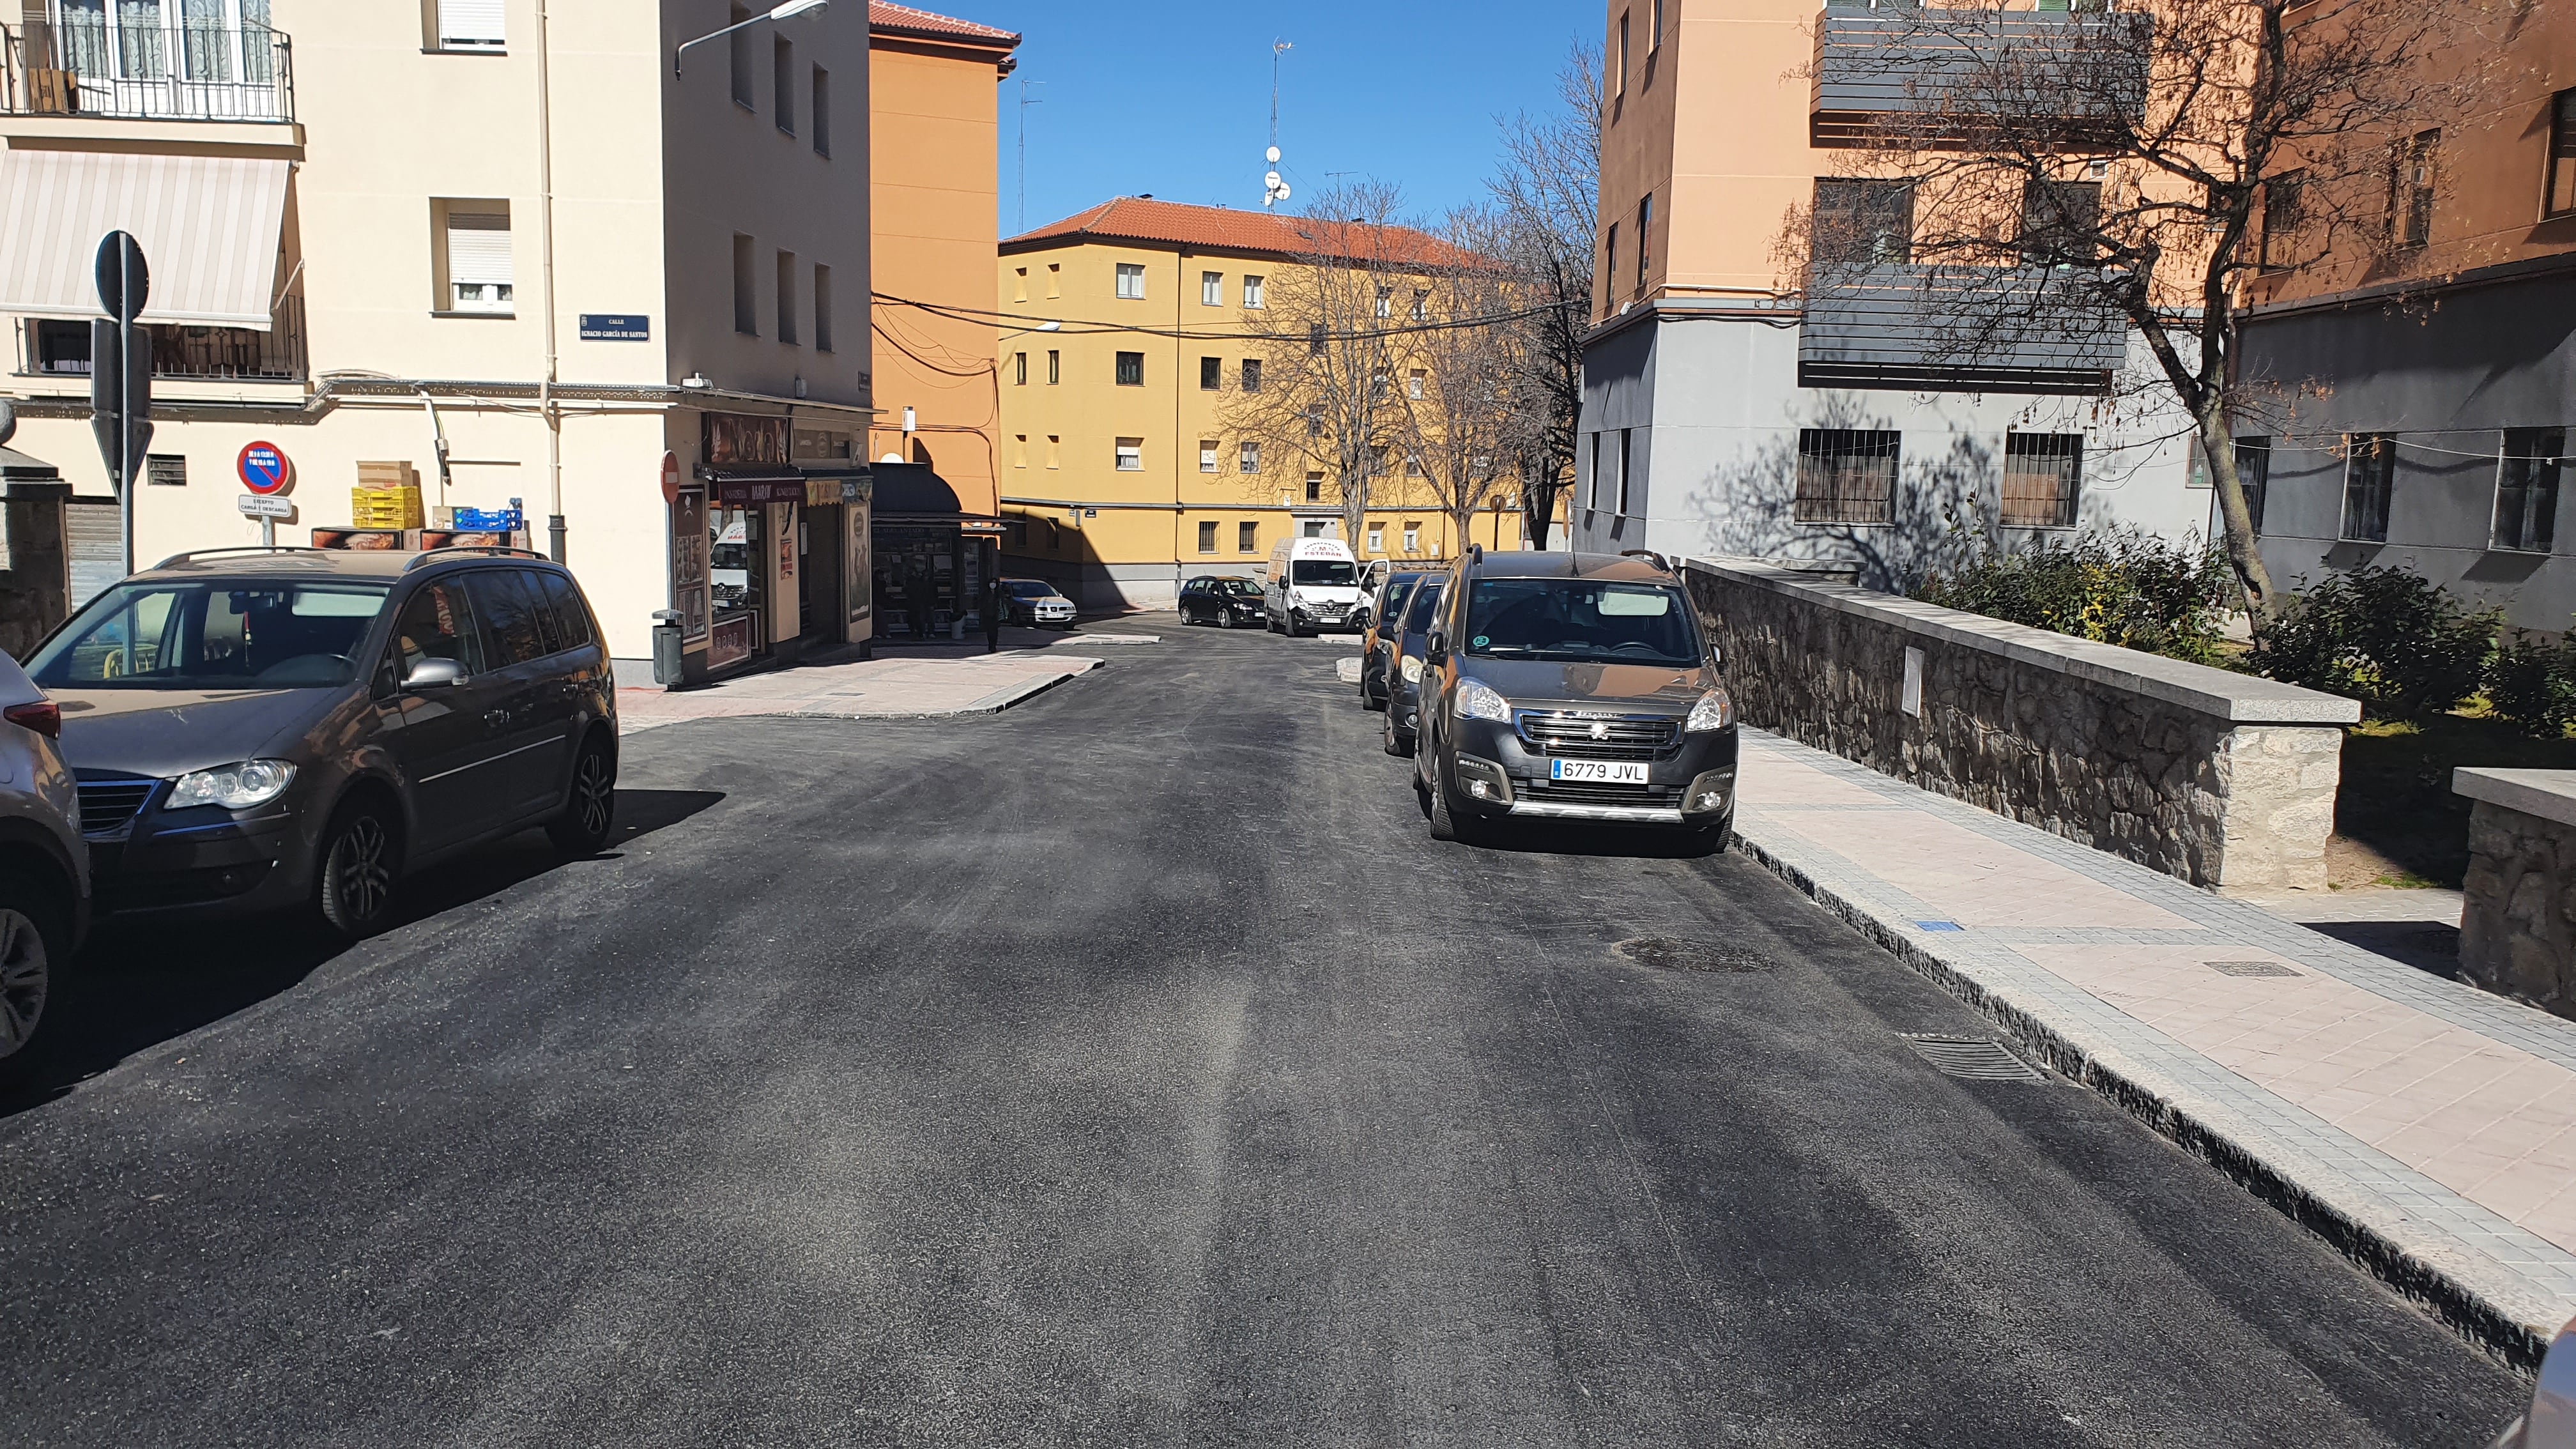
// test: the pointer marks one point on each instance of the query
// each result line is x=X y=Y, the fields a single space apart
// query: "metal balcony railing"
x=184 y=351
x=1960 y=329
x=154 y=69
x=1928 y=76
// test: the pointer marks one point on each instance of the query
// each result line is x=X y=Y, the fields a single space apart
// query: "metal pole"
x=126 y=327
x=546 y=246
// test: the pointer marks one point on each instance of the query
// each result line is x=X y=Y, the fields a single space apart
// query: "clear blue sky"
x=1173 y=96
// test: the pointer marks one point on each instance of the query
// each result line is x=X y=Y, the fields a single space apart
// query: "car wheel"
x=590 y=814
x=361 y=861
x=1421 y=794
x=1225 y=618
x=1444 y=826
x=1399 y=743
x=33 y=936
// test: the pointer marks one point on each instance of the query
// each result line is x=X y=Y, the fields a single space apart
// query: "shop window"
x=2043 y=473
x=1207 y=537
x=1248 y=459
x=1211 y=373
x=1845 y=475
x=1252 y=374
x=2526 y=489
x=1252 y=292
x=1247 y=538
x=1207 y=455
x=1131 y=281
x=474 y=239
x=1131 y=369
x=1131 y=455
x=2369 y=483
x=1211 y=289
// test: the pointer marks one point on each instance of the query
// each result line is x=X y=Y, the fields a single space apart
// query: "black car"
x=1401 y=677
x=1228 y=603
x=1572 y=686
x=258 y=729
x=1385 y=619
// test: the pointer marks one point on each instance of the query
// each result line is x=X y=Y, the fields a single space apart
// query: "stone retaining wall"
x=2518 y=918
x=2218 y=778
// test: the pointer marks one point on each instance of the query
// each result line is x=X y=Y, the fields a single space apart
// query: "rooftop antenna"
x=1274 y=190
x=1026 y=101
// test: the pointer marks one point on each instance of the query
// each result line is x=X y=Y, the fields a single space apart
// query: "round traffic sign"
x=670 y=477
x=264 y=469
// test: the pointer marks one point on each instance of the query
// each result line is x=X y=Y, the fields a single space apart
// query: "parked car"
x=2551 y=1424
x=1312 y=583
x=1402 y=679
x=1035 y=602
x=1377 y=636
x=44 y=862
x=300 y=728
x=1222 y=601
x=1573 y=686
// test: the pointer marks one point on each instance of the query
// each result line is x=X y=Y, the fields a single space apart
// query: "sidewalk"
x=2425 y=1127
x=900 y=683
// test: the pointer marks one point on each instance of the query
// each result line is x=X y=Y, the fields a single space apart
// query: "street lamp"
x=1041 y=327
x=788 y=11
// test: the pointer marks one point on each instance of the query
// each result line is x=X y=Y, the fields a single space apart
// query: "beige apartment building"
x=512 y=244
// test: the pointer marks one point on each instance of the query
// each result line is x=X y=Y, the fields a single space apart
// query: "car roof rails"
x=428 y=555
x=198 y=553
x=1476 y=553
x=1649 y=555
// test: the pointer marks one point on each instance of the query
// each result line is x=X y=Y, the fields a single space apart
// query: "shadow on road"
x=1558 y=837
x=144 y=981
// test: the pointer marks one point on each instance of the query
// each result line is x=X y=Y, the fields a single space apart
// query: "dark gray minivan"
x=255 y=729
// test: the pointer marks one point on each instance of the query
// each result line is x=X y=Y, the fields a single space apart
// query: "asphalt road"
x=1129 y=1068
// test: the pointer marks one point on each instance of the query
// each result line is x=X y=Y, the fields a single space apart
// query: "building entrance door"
x=822 y=616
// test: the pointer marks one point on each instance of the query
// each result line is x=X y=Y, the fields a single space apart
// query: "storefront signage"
x=689 y=550
x=730 y=641
x=740 y=440
x=616 y=327
x=264 y=469
x=743 y=492
x=857 y=559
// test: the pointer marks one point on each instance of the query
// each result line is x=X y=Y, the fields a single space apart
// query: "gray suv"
x=44 y=863
x=1573 y=686
x=297 y=728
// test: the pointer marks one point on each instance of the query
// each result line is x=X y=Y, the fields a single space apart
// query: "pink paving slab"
x=1971 y=879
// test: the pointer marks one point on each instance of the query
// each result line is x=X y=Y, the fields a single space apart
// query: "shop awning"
x=208 y=225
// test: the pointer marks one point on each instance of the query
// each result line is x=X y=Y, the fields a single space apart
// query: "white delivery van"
x=1313 y=584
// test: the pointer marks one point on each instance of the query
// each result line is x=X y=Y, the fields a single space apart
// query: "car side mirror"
x=434 y=674
x=1435 y=646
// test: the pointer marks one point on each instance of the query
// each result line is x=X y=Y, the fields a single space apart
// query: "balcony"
x=1925 y=78
x=1915 y=328
x=143 y=63
x=60 y=349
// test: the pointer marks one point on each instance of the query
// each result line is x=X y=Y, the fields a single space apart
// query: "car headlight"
x=1479 y=700
x=1715 y=711
x=234 y=787
x=1411 y=668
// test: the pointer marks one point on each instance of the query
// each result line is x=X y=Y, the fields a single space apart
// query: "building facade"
x=1121 y=478
x=1729 y=411
x=511 y=246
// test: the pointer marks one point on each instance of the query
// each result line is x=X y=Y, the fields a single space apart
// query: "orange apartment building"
x=1721 y=401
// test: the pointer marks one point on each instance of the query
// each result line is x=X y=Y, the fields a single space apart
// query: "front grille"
x=1573 y=736
x=108 y=806
x=1592 y=792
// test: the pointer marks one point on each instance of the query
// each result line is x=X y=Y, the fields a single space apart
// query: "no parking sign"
x=264 y=469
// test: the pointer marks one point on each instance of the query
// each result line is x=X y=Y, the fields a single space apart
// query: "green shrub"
x=2124 y=588
x=2392 y=639
x=2533 y=684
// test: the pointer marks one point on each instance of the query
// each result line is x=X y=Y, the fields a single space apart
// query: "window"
x=1211 y=289
x=1619 y=77
x=1131 y=369
x=2057 y=222
x=1421 y=311
x=1055 y=367
x=822 y=111
x=1311 y=528
x=1610 y=260
x=1055 y=279
x=1863 y=223
x=1847 y=475
x=1248 y=458
x=1247 y=538
x=477 y=234
x=1207 y=537
x=2254 y=475
x=1377 y=538
x=782 y=83
x=822 y=308
x=2369 y=479
x=746 y=287
x=2526 y=489
x=1627 y=455
x=1252 y=374
x=1020 y=451
x=1645 y=239
x=2042 y=473
x=511 y=632
x=1655 y=27
x=1020 y=284
x=1413 y=384
x=1315 y=339
x=1207 y=455
x=1314 y=420
x=465 y=25
x=1019 y=369
x=740 y=45
x=2562 y=155
x=1412 y=537
x=2411 y=174
x=565 y=606
x=1252 y=292
x=787 y=298
x=1211 y=373
x=165 y=470
x=438 y=623
x=1131 y=455
x=1314 y=487
x=1386 y=301
x=1054 y=460
x=2281 y=218
x=1131 y=281
x=1595 y=495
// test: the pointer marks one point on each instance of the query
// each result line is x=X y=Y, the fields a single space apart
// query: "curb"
x=2459 y=1306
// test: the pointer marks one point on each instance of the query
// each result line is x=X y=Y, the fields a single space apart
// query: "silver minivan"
x=44 y=862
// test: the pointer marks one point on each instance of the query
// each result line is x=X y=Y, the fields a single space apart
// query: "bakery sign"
x=741 y=440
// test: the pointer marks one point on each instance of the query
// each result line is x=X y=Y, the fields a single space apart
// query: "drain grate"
x=2251 y=968
x=1974 y=1058
x=1668 y=955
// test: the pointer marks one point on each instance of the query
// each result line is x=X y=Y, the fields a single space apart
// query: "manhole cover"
x=1667 y=955
x=1974 y=1058
x=2251 y=968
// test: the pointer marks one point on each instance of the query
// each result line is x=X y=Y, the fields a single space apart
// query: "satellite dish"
x=1272 y=156
x=1283 y=191
x=1271 y=181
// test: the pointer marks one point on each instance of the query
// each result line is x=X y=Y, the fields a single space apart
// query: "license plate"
x=1598 y=772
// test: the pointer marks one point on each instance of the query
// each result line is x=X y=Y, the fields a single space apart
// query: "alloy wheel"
x=26 y=973
x=593 y=793
x=362 y=871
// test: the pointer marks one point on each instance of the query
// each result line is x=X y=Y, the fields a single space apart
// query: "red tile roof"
x=1144 y=220
x=905 y=20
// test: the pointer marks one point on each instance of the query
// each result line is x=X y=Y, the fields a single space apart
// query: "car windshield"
x=1030 y=589
x=1325 y=573
x=1396 y=594
x=1424 y=603
x=1580 y=619
x=1244 y=587
x=216 y=634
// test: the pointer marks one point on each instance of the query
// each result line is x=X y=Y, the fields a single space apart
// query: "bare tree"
x=1456 y=410
x=2018 y=180
x=1547 y=198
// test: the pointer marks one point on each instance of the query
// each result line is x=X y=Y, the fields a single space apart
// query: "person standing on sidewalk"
x=992 y=611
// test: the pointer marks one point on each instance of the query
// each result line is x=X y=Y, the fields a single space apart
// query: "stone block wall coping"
x=2237 y=698
x=2548 y=794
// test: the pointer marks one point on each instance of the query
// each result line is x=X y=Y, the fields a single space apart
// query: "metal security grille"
x=1847 y=475
x=2251 y=968
x=2042 y=474
x=1973 y=1058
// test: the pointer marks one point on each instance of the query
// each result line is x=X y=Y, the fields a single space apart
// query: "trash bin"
x=666 y=648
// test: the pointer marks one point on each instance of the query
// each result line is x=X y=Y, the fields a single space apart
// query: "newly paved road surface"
x=1126 y=1069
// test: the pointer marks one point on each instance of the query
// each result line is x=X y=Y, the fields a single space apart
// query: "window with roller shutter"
x=478 y=261
x=470 y=25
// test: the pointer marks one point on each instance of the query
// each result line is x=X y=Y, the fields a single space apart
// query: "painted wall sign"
x=264 y=469
x=730 y=641
x=616 y=327
x=736 y=440
x=738 y=493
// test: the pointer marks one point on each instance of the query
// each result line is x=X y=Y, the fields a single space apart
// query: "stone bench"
x=2518 y=921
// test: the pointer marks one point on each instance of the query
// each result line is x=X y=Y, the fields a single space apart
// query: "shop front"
x=932 y=558
x=769 y=559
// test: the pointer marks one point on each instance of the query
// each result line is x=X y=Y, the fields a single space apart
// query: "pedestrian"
x=993 y=611
x=916 y=597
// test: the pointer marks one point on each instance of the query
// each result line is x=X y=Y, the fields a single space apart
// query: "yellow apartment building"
x=1119 y=478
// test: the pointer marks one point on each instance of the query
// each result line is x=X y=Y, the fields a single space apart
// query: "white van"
x=1313 y=584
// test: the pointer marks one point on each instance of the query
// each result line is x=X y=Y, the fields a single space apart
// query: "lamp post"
x=788 y=11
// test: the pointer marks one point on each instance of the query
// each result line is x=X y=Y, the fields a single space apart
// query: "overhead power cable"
x=1089 y=328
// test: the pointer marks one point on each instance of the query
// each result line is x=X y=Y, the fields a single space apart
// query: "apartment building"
x=1731 y=410
x=530 y=249
x=1120 y=475
x=2426 y=388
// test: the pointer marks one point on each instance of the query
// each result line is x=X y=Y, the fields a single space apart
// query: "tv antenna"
x=1273 y=189
x=1026 y=101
